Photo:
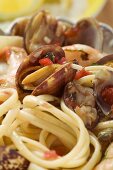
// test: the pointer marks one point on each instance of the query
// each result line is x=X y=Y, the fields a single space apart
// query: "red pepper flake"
x=50 y=154
x=107 y=94
x=45 y=62
x=81 y=73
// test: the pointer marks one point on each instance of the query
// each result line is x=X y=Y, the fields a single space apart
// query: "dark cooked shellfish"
x=86 y=31
x=34 y=78
x=82 y=101
x=11 y=159
x=43 y=29
x=103 y=89
x=107 y=38
x=19 y=26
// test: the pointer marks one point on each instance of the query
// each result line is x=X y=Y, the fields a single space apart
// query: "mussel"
x=11 y=159
x=103 y=89
x=82 y=101
x=37 y=79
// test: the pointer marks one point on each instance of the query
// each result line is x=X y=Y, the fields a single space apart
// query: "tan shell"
x=54 y=84
x=43 y=29
x=33 y=78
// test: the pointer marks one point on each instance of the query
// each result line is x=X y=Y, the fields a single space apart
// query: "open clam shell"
x=54 y=84
x=46 y=80
x=81 y=100
x=33 y=77
x=43 y=29
x=18 y=26
x=107 y=38
x=102 y=84
x=86 y=31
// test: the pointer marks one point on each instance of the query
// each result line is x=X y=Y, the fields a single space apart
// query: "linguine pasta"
x=56 y=104
x=36 y=125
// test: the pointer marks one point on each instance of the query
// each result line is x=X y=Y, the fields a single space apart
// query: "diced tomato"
x=81 y=73
x=45 y=62
x=107 y=94
x=50 y=154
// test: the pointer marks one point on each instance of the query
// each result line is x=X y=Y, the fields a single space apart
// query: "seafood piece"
x=19 y=26
x=86 y=31
x=10 y=59
x=103 y=89
x=107 y=162
x=50 y=82
x=105 y=137
x=54 y=84
x=106 y=60
x=43 y=29
x=11 y=159
x=34 y=77
x=107 y=38
x=82 y=101
x=83 y=54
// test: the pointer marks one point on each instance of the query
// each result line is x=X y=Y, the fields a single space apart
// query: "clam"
x=46 y=80
x=54 y=84
x=18 y=26
x=106 y=60
x=11 y=159
x=34 y=78
x=81 y=100
x=103 y=89
x=107 y=38
x=86 y=31
x=43 y=29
